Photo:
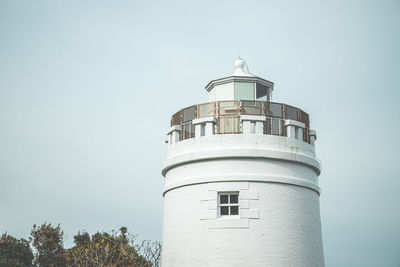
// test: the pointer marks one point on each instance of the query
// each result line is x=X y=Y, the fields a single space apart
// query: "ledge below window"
x=225 y=223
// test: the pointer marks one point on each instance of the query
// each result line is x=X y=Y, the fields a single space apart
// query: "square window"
x=228 y=204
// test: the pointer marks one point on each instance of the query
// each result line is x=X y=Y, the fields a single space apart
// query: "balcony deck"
x=227 y=114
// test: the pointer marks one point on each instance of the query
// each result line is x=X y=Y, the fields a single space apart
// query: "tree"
x=106 y=249
x=150 y=251
x=15 y=252
x=48 y=242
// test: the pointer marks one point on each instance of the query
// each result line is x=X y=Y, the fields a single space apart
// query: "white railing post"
x=260 y=127
x=204 y=125
x=198 y=129
x=250 y=122
x=313 y=137
x=173 y=134
x=294 y=129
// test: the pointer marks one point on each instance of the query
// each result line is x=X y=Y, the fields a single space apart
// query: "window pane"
x=229 y=107
x=305 y=135
x=234 y=210
x=206 y=110
x=275 y=127
x=234 y=199
x=224 y=210
x=282 y=131
x=227 y=125
x=188 y=113
x=291 y=113
x=188 y=130
x=192 y=130
x=267 y=126
x=176 y=119
x=223 y=199
x=261 y=90
x=244 y=91
x=274 y=109
x=236 y=124
x=252 y=107
x=304 y=118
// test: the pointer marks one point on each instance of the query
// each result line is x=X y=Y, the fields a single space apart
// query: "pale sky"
x=87 y=89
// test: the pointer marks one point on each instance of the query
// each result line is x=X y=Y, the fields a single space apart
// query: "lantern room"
x=241 y=85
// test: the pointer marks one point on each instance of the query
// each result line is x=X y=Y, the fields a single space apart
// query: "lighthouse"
x=241 y=180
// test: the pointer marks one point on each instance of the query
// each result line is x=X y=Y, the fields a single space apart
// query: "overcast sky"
x=87 y=89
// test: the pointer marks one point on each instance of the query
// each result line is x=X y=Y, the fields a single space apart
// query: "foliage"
x=48 y=242
x=115 y=249
x=15 y=252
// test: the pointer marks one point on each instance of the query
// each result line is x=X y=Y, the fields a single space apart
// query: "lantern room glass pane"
x=244 y=91
x=261 y=92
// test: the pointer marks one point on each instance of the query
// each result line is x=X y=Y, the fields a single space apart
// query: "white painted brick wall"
x=279 y=220
x=286 y=233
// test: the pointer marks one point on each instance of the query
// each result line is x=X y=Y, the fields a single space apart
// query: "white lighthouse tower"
x=241 y=180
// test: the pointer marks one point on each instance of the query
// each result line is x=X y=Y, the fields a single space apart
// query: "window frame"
x=229 y=204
